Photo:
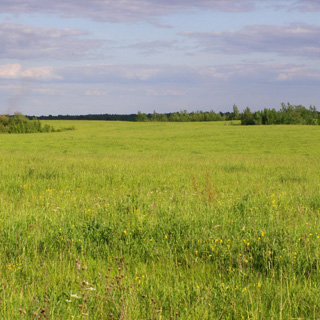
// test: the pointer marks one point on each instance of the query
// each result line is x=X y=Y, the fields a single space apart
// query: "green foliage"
x=4 y=122
x=141 y=117
x=21 y=124
x=199 y=116
x=160 y=117
x=236 y=113
x=288 y=114
x=247 y=118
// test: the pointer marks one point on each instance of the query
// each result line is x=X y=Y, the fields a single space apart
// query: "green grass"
x=166 y=220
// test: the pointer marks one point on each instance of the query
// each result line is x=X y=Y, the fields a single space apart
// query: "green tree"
x=4 y=120
x=235 y=113
x=247 y=117
x=141 y=117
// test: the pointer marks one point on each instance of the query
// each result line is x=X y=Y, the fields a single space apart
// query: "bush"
x=21 y=124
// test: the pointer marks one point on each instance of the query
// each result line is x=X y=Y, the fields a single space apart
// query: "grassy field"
x=123 y=220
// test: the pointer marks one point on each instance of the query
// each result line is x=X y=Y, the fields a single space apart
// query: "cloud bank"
x=135 y=10
x=120 y=10
x=175 y=76
x=27 y=42
x=294 y=40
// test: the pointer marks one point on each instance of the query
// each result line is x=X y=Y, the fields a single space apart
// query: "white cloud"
x=10 y=71
x=39 y=73
x=96 y=92
x=126 y=89
x=176 y=77
x=298 y=73
x=305 y=5
x=120 y=10
x=155 y=47
x=293 y=40
x=16 y=71
x=134 y=10
x=27 y=42
x=160 y=92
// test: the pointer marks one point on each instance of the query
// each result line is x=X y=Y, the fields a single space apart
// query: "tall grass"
x=159 y=221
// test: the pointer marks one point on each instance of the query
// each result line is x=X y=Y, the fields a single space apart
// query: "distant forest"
x=288 y=114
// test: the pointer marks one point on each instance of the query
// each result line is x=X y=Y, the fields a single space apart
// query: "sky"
x=124 y=56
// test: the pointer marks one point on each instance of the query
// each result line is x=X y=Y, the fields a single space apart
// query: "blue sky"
x=125 y=56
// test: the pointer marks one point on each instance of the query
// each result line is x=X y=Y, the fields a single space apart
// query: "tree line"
x=288 y=114
x=181 y=116
x=104 y=117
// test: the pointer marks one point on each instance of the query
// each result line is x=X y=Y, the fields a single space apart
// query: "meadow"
x=119 y=220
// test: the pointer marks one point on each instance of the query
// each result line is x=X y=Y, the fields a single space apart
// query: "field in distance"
x=119 y=220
